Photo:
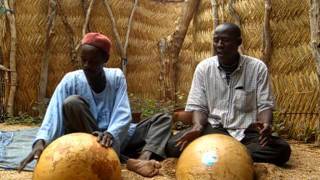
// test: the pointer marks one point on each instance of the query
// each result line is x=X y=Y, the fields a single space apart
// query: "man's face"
x=91 y=59
x=225 y=42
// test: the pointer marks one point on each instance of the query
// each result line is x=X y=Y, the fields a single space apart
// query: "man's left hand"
x=265 y=130
x=104 y=138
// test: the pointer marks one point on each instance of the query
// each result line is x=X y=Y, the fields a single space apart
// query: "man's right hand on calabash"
x=104 y=138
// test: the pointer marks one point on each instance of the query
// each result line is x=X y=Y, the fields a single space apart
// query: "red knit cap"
x=97 y=40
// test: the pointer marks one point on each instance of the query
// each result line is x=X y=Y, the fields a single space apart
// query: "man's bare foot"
x=145 y=155
x=147 y=168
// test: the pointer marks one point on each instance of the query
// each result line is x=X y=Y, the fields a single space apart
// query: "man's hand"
x=264 y=126
x=104 y=138
x=34 y=154
x=188 y=137
x=265 y=130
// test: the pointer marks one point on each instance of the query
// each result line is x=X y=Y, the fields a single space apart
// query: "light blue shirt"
x=110 y=108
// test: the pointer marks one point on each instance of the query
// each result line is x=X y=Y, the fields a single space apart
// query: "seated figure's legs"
x=277 y=151
x=149 y=140
x=173 y=151
x=77 y=116
x=151 y=135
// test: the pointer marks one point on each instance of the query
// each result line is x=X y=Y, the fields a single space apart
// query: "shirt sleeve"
x=121 y=114
x=52 y=124
x=197 y=99
x=265 y=98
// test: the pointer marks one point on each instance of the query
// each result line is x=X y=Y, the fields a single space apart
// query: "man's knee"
x=284 y=153
x=73 y=101
x=162 y=119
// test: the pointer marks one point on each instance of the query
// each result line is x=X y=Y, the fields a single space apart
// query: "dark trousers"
x=277 y=151
x=151 y=134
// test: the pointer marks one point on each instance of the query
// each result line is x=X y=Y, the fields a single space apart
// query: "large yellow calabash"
x=217 y=157
x=77 y=156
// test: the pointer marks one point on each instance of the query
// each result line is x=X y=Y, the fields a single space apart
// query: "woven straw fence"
x=152 y=21
x=292 y=67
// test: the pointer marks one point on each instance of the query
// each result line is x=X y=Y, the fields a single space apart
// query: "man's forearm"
x=39 y=142
x=265 y=116
x=200 y=120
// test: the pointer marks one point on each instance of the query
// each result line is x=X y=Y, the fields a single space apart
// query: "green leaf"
x=3 y=10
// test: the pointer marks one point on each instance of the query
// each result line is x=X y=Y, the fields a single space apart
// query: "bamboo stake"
x=86 y=22
x=122 y=50
x=170 y=48
x=214 y=6
x=70 y=33
x=267 y=44
x=315 y=46
x=85 y=28
x=236 y=18
x=52 y=11
x=13 y=46
x=124 y=61
x=162 y=46
x=114 y=29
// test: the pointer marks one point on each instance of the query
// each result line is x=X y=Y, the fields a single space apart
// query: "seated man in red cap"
x=94 y=100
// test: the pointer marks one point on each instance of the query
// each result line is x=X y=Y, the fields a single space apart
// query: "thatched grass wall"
x=292 y=67
x=152 y=21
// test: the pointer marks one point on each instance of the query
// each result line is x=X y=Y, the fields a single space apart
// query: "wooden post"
x=13 y=47
x=266 y=38
x=315 y=45
x=170 y=48
x=52 y=11
x=315 y=32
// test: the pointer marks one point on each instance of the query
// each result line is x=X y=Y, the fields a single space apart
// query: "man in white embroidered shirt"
x=230 y=94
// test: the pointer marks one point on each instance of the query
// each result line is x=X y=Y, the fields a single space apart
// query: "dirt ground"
x=304 y=164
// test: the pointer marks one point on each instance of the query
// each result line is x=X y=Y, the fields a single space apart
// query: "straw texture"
x=292 y=68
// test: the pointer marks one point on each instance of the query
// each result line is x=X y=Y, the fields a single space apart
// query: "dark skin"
x=226 y=41
x=199 y=121
x=93 y=60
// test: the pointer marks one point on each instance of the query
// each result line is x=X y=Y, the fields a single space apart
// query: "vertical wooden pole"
x=122 y=50
x=43 y=82
x=215 y=16
x=13 y=47
x=170 y=48
x=235 y=17
x=267 y=44
x=315 y=45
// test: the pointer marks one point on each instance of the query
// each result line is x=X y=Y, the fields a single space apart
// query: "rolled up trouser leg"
x=151 y=135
